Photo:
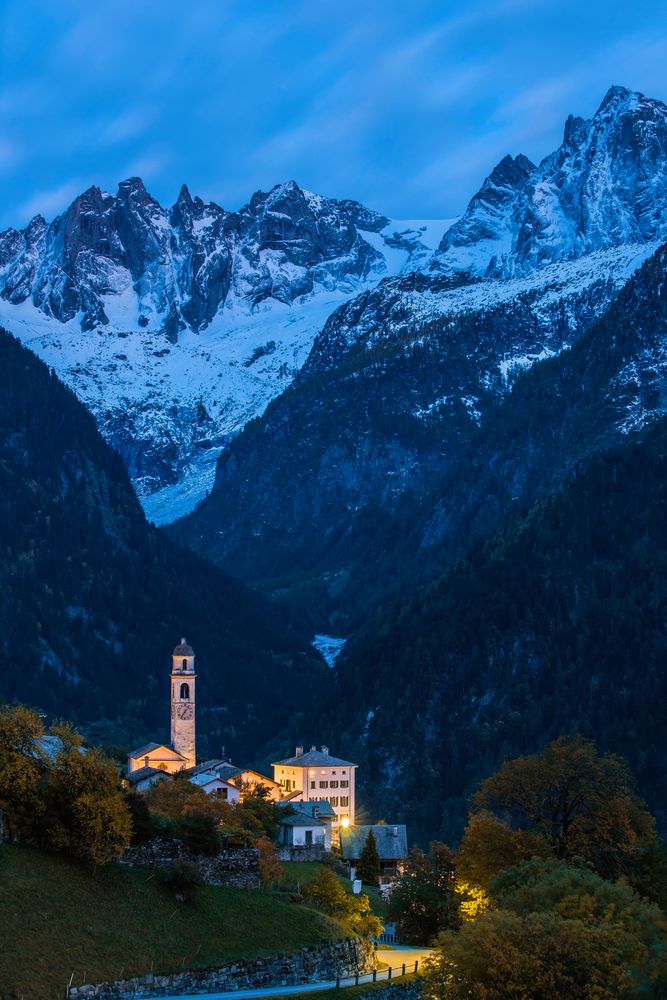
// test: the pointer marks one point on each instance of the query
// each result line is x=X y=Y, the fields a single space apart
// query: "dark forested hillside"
x=92 y=598
x=558 y=624
x=355 y=485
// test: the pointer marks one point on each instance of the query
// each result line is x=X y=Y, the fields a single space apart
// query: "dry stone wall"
x=236 y=869
x=309 y=965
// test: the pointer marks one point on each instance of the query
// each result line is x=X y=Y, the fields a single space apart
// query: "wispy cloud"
x=50 y=201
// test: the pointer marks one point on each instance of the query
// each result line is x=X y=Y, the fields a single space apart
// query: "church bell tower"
x=183 y=679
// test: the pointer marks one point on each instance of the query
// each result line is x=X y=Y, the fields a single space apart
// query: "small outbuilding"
x=303 y=829
x=391 y=842
x=144 y=778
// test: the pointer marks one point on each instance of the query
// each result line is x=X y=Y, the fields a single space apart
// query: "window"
x=313 y=784
x=333 y=784
x=185 y=664
x=344 y=784
x=185 y=691
x=344 y=800
x=324 y=784
x=333 y=800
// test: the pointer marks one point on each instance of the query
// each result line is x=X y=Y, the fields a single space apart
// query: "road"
x=394 y=958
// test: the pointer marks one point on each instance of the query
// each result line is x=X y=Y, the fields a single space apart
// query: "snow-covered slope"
x=178 y=326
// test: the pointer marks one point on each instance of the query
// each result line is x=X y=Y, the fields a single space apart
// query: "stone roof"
x=319 y=808
x=209 y=765
x=301 y=819
x=206 y=777
x=51 y=746
x=183 y=649
x=144 y=772
x=391 y=841
x=314 y=758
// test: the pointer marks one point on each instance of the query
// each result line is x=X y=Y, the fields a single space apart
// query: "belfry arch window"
x=185 y=665
x=185 y=691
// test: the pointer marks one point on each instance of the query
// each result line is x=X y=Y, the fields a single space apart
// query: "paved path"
x=394 y=958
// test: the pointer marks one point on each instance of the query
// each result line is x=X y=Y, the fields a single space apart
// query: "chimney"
x=313 y=748
x=394 y=831
x=325 y=750
x=299 y=752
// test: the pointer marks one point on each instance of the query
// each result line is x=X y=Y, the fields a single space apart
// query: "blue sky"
x=403 y=104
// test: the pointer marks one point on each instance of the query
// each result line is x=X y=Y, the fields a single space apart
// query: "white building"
x=317 y=776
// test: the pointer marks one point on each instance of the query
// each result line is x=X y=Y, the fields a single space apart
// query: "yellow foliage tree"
x=559 y=933
x=569 y=801
x=22 y=764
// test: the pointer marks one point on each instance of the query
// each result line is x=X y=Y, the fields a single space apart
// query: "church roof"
x=314 y=758
x=149 y=750
x=391 y=841
x=183 y=649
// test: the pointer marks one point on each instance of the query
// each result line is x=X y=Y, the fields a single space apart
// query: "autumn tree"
x=326 y=893
x=22 y=763
x=569 y=801
x=368 y=869
x=424 y=900
x=86 y=811
x=271 y=872
x=557 y=932
x=57 y=795
x=490 y=844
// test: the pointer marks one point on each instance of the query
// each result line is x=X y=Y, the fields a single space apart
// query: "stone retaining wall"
x=291 y=852
x=309 y=965
x=237 y=868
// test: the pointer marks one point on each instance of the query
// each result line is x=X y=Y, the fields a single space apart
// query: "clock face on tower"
x=184 y=711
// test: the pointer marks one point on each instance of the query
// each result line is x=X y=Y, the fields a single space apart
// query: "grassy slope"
x=123 y=922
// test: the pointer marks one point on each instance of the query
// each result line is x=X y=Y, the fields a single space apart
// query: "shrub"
x=183 y=878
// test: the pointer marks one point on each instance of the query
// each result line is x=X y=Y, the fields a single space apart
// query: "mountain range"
x=441 y=442
x=177 y=326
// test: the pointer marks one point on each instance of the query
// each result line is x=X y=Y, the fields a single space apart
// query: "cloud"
x=129 y=124
x=52 y=201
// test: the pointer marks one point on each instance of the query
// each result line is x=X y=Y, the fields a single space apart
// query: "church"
x=180 y=754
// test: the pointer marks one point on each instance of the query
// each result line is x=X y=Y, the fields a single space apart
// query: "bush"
x=200 y=833
x=183 y=878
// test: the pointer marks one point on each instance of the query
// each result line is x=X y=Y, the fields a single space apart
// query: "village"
x=315 y=789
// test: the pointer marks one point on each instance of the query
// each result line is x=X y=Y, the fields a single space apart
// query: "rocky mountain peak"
x=606 y=185
x=133 y=188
